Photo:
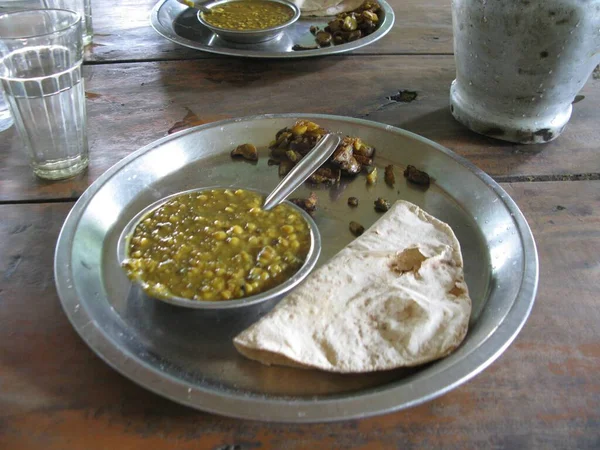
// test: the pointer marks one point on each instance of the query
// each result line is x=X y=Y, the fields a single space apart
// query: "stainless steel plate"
x=180 y=24
x=187 y=355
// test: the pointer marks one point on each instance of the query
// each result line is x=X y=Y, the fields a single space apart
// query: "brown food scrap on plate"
x=356 y=228
x=285 y=167
x=246 y=151
x=308 y=204
x=352 y=201
x=417 y=176
x=343 y=156
x=298 y=47
x=323 y=38
x=381 y=205
x=388 y=176
x=326 y=175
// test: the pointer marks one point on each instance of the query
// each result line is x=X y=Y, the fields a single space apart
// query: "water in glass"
x=45 y=93
x=6 y=120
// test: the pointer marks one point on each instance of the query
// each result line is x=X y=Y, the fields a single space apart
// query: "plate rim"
x=303 y=410
x=170 y=35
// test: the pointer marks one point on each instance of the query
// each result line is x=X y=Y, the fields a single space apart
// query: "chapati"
x=323 y=8
x=394 y=297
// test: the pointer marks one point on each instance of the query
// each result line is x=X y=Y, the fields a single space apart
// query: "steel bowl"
x=271 y=296
x=249 y=36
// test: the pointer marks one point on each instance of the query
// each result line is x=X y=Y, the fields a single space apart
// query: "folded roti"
x=326 y=7
x=394 y=297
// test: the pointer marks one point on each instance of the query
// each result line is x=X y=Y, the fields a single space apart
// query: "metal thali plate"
x=187 y=355
x=180 y=24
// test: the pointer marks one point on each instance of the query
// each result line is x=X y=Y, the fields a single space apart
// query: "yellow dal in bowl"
x=248 y=15
x=215 y=245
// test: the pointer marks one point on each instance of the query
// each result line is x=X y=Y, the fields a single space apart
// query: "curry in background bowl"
x=218 y=246
x=248 y=21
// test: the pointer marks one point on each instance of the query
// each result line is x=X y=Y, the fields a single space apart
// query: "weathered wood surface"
x=131 y=105
x=123 y=32
x=543 y=392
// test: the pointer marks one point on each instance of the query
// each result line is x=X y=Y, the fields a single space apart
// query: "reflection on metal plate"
x=180 y=24
x=187 y=355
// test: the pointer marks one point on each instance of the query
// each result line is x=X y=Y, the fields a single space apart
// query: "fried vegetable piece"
x=344 y=159
x=304 y=144
x=285 y=167
x=293 y=156
x=352 y=25
x=324 y=38
x=246 y=151
x=294 y=142
x=300 y=137
x=389 y=176
x=298 y=47
x=363 y=160
x=381 y=205
x=308 y=204
x=372 y=176
x=362 y=149
x=354 y=35
x=326 y=175
x=352 y=201
x=417 y=176
x=282 y=140
x=356 y=228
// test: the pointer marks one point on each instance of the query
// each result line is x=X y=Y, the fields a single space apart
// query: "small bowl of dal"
x=248 y=21
x=216 y=248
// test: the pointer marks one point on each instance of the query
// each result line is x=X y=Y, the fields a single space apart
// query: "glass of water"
x=41 y=52
x=83 y=7
x=6 y=120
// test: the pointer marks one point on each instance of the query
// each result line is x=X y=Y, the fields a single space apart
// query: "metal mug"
x=520 y=64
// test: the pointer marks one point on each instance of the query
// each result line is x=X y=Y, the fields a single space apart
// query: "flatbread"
x=394 y=297
x=324 y=8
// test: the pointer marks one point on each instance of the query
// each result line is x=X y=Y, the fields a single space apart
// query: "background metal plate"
x=187 y=355
x=179 y=24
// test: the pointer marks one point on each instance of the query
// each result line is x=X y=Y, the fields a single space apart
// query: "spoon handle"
x=202 y=8
x=304 y=169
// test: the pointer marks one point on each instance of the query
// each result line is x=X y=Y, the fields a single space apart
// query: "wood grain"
x=131 y=105
x=124 y=33
x=542 y=393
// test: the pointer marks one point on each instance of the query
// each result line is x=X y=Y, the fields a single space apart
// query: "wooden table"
x=543 y=392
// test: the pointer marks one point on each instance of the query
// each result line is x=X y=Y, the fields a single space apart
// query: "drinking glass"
x=41 y=53
x=6 y=120
x=83 y=7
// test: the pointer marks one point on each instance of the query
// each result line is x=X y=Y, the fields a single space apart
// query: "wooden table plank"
x=543 y=392
x=131 y=105
x=124 y=33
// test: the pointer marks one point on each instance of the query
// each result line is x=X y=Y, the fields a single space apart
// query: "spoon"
x=301 y=171
x=198 y=5
x=202 y=8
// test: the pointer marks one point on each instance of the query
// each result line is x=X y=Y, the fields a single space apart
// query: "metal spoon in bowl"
x=301 y=171
x=304 y=169
x=205 y=9
x=202 y=8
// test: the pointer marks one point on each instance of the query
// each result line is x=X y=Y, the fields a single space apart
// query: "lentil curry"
x=248 y=15
x=216 y=245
